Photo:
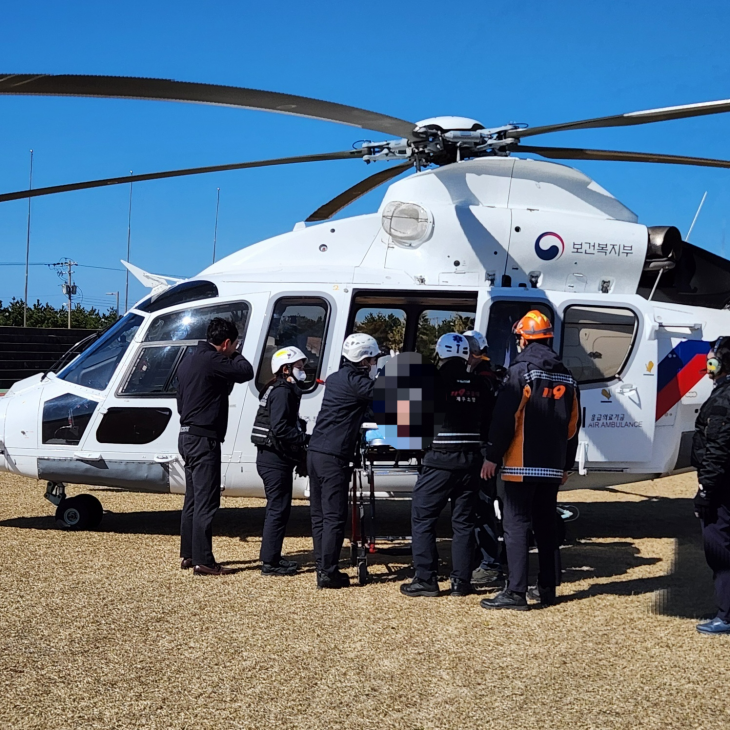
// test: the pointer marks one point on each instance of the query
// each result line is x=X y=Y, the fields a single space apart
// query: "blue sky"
x=531 y=62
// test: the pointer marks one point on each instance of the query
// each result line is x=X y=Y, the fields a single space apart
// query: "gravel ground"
x=102 y=630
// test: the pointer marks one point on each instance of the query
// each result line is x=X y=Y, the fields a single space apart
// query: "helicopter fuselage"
x=468 y=245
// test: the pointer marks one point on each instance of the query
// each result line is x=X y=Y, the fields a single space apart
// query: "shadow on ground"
x=685 y=592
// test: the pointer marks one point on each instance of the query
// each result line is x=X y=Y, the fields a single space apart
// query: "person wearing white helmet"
x=489 y=570
x=280 y=436
x=450 y=471
x=348 y=394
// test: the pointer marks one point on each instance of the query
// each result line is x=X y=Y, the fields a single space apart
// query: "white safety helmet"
x=359 y=346
x=286 y=356
x=452 y=344
x=481 y=340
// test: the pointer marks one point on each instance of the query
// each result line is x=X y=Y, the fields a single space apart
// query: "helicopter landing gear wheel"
x=363 y=577
x=83 y=512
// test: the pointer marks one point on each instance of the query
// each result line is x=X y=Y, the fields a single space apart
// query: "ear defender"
x=713 y=365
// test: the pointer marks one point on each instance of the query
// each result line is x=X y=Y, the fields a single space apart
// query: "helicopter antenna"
x=694 y=220
x=215 y=230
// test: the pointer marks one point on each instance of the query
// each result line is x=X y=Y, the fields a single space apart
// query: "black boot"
x=461 y=588
x=506 y=599
x=338 y=579
x=283 y=567
x=418 y=587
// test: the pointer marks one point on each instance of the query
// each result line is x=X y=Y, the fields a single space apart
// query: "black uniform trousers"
x=202 y=496
x=278 y=479
x=434 y=488
x=530 y=506
x=329 y=481
x=716 y=537
x=486 y=532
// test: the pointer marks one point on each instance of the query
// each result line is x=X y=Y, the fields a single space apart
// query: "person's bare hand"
x=489 y=469
x=565 y=478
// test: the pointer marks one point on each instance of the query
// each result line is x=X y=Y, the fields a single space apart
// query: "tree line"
x=46 y=315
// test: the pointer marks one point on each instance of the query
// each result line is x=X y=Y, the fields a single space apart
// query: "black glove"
x=705 y=507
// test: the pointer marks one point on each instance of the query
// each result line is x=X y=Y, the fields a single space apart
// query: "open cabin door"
x=612 y=354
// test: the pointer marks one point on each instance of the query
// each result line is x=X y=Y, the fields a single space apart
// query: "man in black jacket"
x=711 y=458
x=534 y=437
x=348 y=394
x=205 y=381
x=450 y=471
x=486 y=534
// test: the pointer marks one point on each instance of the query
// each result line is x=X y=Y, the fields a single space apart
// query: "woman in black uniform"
x=281 y=437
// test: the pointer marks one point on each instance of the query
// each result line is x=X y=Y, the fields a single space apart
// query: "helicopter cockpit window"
x=169 y=339
x=192 y=324
x=299 y=322
x=387 y=326
x=502 y=318
x=65 y=419
x=188 y=291
x=94 y=367
x=597 y=341
x=432 y=323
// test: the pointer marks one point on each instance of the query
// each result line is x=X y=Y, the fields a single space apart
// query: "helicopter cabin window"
x=296 y=322
x=387 y=326
x=132 y=425
x=65 y=419
x=502 y=318
x=94 y=367
x=171 y=338
x=597 y=341
x=432 y=323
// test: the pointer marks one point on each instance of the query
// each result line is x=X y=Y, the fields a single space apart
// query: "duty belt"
x=199 y=431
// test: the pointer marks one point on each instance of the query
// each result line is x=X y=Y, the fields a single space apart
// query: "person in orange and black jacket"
x=534 y=438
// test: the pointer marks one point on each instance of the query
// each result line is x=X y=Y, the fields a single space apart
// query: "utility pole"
x=68 y=288
x=27 y=248
x=129 y=241
x=114 y=294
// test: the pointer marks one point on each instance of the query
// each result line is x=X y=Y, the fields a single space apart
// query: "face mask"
x=299 y=374
x=373 y=371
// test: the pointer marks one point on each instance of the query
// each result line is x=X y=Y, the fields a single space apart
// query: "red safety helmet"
x=534 y=326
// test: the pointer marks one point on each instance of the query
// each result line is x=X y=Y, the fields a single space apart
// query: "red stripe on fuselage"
x=676 y=389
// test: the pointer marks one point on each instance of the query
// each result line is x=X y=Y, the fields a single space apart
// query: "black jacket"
x=711 y=441
x=534 y=431
x=461 y=406
x=205 y=380
x=491 y=381
x=348 y=393
x=277 y=427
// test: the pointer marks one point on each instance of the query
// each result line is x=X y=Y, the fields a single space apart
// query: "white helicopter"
x=472 y=240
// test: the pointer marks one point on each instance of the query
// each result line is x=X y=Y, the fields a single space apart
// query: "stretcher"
x=376 y=459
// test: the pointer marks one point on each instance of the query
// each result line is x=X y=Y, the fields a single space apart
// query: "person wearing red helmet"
x=533 y=438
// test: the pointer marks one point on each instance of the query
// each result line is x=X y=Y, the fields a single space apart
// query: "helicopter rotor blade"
x=632 y=118
x=33 y=193
x=570 y=153
x=128 y=87
x=326 y=211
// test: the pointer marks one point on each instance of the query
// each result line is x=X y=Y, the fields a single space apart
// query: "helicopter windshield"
x=94 y=367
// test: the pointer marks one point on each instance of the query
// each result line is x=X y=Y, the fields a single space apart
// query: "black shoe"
x=461 y=588
x=483 y=577
x=506 y=599
x=284 y=567
x=186 y=563
x=418 y=587
x=338 y=579
x=543 y=596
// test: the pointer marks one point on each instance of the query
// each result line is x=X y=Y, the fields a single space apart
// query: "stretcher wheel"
x=363 y=578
